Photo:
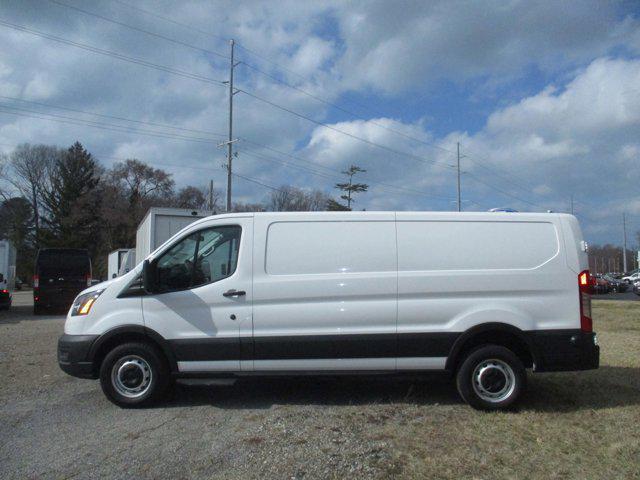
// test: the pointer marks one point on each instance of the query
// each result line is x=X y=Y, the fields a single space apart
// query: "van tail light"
x=88 y=278
x=36 y=281
x=584 y=287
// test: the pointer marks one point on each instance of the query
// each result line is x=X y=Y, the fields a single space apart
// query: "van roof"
x=426 y=215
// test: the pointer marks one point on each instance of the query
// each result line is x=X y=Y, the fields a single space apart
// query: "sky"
x=542 y=97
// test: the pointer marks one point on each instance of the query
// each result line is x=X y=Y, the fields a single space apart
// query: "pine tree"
x=71 y=201
x=350 y=188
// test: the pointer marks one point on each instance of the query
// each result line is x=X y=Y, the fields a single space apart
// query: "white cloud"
x=412 y=47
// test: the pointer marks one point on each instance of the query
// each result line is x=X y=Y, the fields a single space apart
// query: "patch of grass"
x=571 y=425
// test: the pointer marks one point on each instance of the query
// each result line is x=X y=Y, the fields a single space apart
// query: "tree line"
x=55 y=197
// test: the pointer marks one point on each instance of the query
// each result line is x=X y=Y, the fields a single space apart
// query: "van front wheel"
x=491 y=377
x=134 y=375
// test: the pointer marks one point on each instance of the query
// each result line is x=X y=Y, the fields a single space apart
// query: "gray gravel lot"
x=56 y=426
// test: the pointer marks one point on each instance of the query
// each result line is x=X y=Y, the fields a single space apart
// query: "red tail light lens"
x=36 y=281
x=584 y=287
x=88 y=278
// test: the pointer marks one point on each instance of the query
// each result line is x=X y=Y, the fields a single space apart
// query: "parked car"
x=599 y=284
x=60 y=274
x=343 y=292
x=615 y=284
x=632 y=278
x=636 y=288
x=5 y=296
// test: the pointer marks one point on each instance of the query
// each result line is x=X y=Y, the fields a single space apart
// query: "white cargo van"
x=483 y=296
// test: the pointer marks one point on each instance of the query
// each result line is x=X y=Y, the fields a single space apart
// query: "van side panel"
x=455 y=274
x=324 y=288
x=577 y=259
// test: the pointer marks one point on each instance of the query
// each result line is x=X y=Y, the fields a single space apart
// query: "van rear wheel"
x=491 y=377
x=134 y=375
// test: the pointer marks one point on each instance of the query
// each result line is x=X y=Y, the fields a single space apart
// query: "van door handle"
x=234 y=293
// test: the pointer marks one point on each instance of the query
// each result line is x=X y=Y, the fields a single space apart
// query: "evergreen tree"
x=71 y=202
x=349 y=187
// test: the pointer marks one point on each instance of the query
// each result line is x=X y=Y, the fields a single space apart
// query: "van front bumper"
x=565 y=350
x=73 y=355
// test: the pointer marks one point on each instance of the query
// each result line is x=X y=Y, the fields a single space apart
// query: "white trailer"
x=115 y=261
x=160 y=224
x=7 y=265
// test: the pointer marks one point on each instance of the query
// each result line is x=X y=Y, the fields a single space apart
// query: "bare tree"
x=29 y=169
x=293 y=199
x=194 y=197
x=248 y=207
x=139 y=180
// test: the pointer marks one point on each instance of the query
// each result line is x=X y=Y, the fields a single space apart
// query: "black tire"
x=504 y=373
x=38 y=310
x=144 y=359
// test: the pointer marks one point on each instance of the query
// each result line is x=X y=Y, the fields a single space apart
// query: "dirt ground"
x=570 y=425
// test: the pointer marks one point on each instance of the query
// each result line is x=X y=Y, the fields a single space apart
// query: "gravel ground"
x=56 y=426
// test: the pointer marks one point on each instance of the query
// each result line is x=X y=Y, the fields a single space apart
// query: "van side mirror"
x=149 y=276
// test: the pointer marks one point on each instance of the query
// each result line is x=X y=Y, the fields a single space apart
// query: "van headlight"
x=83 y=303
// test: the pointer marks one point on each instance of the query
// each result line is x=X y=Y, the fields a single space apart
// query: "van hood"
x=124 y=279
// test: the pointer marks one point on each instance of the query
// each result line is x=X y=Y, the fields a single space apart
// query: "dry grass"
x=571 y=425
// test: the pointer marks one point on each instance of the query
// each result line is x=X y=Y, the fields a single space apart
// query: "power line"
x=344 y=110
x=253 y=180
x=335 y=175
x=262 y=72
x=101 y=126
x=164 y=125
x=109 y=53
x=170 y=20
x=503 y=191
x=330 y=127
x=147 y=32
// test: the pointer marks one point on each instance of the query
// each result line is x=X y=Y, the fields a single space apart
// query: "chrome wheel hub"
x=493 y=380
x=131 y=376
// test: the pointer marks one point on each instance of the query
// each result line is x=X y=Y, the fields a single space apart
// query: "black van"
x=61 y=273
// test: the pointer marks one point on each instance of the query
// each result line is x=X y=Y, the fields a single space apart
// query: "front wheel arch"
x=129 y=333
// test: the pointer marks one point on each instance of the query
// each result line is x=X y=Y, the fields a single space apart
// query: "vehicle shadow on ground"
x=606 y=387
x=24 y=313
x=264 y=392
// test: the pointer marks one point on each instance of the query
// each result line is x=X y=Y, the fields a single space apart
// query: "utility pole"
x=624 y=242
x=459 y=202
x=572 y=204
x=210 y=195
x=229 y=143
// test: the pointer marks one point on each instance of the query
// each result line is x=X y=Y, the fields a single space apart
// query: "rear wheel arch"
x=501 y=334
x=130 y=333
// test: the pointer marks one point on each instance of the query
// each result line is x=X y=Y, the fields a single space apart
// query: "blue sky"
x=544 y=97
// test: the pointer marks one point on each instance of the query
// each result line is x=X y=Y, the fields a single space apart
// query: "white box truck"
x=7 y=273
x=483 y=296
x=114 y=262
x=160 y=224
x=128 y=262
